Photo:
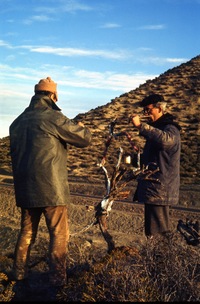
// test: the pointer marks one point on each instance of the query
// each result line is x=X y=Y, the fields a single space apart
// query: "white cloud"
x=70 y=6
x=110 y=80
x=110 y=25
x=37 y=18
x=74 y=52
x=176 y=60
x=67 y=76
x=106 y=54
x=152 y=27
x=5 y=44
x=161 y=60
x=69 y=52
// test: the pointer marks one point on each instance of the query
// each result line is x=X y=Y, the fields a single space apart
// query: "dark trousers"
x=57 y=223
x=156 y=219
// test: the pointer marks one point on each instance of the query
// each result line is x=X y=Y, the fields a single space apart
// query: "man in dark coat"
x=161 y=158
x=39 y=140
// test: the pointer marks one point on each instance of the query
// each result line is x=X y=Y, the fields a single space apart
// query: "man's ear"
x=54 y=97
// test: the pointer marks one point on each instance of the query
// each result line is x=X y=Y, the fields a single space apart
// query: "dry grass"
x=163 y=270
x=137 y=270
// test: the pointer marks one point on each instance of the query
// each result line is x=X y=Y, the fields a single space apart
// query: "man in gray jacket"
x=39 y=140
x=161 y=157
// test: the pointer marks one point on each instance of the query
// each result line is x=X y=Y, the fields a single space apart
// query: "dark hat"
x=151 y=99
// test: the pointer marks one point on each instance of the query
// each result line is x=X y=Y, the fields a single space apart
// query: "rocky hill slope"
x=181 y=88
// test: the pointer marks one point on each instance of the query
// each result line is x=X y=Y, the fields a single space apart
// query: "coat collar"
x=165 y=119
x=40 y=101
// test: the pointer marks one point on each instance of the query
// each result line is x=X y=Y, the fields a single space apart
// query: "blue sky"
x=94 y=49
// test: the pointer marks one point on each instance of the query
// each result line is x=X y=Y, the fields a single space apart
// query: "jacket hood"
x=165 y=119
x=40 y=101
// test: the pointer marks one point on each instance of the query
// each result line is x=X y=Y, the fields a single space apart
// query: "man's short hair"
x=161 y=104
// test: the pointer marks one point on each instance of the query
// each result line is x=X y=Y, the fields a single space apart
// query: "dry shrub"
x=173 y=267
x=165 y=270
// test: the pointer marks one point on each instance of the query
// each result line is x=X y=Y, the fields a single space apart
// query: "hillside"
x=181 y=88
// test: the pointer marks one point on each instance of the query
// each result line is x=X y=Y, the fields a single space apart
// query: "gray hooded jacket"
x=39 y=139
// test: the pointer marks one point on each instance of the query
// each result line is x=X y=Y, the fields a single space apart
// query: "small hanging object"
x=127 y=159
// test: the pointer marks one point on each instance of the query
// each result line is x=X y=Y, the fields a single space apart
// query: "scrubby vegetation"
x=164 y=269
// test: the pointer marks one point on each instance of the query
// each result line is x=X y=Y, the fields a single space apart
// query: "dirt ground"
x=125 y=221
x=125 y=224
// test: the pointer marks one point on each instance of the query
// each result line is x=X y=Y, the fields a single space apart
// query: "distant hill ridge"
x=180 y=86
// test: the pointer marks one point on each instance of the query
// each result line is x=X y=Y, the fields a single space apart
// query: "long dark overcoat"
x=39 y=139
